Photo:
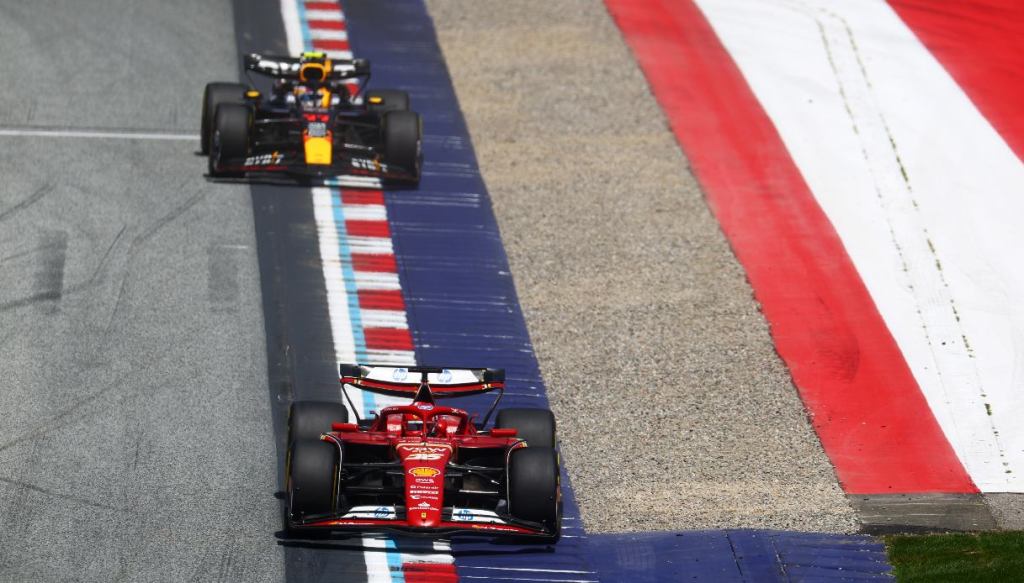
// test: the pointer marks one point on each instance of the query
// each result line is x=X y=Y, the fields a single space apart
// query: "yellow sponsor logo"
x=424 y=472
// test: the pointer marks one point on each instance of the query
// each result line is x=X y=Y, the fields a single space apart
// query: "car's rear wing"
x=406 y=381
x=288 y=67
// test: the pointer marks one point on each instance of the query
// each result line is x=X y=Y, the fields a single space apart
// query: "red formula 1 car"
x=423 y=468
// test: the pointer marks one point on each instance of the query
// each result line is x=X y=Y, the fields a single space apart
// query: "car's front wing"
x=294 y=165
x=461 y=521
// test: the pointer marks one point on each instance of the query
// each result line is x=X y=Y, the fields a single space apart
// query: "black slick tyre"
x=533 y=489
x=307 y=420
x=312 y=478
x=215 y=95
x=389 y=100
x=536 y=426
x=231 y=126
x=402 y=132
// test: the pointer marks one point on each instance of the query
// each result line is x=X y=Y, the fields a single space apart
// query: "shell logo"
x=424 y=472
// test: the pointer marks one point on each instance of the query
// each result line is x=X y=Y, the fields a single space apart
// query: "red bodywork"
x=425 y=440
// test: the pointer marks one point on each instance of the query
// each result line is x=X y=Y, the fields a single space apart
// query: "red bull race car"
x=318 y=121
x=421 y=467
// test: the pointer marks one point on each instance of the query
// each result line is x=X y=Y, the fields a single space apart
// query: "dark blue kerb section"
x=463 y=311
x=738 y=556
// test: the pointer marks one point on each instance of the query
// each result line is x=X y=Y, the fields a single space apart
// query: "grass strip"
x=964 y=558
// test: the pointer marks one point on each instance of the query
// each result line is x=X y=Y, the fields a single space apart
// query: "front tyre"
x=215 y=95
x=312 y=478
x=232 y=124
x=403 y=136
x=533 y=489
x=307 y=420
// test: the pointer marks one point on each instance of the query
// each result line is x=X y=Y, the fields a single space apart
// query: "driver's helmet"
x=313 y=68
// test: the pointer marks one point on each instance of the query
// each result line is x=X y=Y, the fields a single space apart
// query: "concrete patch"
x=920 y=513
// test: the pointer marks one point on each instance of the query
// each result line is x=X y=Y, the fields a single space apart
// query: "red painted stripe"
x=374 y=299
x=429 y=573
x=367 y=228
x=388 y=338
x=326 y=44
x=362 y=197
x=374 y=262
x=323 y=6
x=870 y=414
x=981 y=44
x=328 y=24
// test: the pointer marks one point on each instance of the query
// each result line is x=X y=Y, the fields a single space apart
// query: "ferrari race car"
x=422 y=468
x=316 y=123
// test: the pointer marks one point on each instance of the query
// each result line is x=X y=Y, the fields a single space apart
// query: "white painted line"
x=383 y=318
x=383 y=281
x=334 y=282
x=327 y=34
x=365 y=212
x=356 y=181
x=397 y=357
x=292 y=26
x=97 y=134
x=341 y=55
x=334 y=15
x=371 y=245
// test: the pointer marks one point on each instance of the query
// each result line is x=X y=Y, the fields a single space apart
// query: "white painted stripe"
x=292 y=26
x=923 y=192
x=327 y=34
x=371 y=245
x=334 y=282
x=96 y=134
x=399 y=357
x=383 y=318
x=372 y=280
x=378 y=569
x=341 y=55
x=334 y=15
x=365 y=212
x=357 y=181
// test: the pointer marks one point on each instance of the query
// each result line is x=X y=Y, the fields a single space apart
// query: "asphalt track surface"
x=135 y=443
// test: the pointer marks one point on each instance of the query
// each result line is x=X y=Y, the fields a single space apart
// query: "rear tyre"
x=307 y=420
x=312 y=473
x=536 y=426
x=391 y=100
x=533 y=489
x=215 y=95
x=403 y=132
x=231 y=126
